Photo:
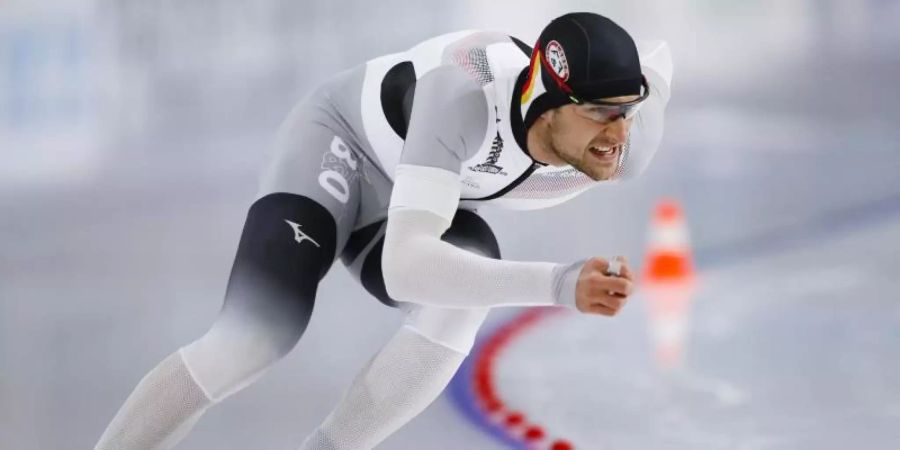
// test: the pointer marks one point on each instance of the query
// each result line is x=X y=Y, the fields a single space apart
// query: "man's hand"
x=600 y=292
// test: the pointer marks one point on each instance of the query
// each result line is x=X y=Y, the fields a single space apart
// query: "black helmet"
x=578 y=58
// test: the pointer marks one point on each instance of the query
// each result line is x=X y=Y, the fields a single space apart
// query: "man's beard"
x=578 y=164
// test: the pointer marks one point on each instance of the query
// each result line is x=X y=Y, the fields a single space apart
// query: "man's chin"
x=595 y=174
x=602 y=177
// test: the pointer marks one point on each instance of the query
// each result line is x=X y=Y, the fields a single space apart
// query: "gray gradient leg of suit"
x=288 y=243
x=415 y=366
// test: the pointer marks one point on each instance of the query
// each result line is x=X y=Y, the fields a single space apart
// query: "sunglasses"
x=607 y=112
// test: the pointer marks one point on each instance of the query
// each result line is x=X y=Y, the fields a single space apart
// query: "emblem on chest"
x=490 y=164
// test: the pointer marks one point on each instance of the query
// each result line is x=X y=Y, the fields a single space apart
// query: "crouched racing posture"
x=386 y=166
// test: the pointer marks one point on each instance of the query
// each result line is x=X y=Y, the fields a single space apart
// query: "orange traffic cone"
x=668 y=282
x=669 y=248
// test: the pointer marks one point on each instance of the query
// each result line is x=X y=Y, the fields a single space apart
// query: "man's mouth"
x=605 y=153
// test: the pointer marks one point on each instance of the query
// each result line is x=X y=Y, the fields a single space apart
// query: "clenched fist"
x=600 y=290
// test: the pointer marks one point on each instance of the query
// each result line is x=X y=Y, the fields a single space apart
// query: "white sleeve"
x=448 y=122
x=419 y=267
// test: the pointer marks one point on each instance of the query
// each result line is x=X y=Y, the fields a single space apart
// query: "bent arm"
x=419 y=267
x=448 y=124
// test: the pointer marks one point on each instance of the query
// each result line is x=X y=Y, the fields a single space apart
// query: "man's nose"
x=617 y=131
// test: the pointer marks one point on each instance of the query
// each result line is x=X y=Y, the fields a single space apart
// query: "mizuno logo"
x=300 y=236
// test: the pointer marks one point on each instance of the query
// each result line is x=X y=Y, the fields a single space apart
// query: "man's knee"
x=287 y=245
x=454 y=328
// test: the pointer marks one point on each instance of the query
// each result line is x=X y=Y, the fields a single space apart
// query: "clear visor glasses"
x=606 y=112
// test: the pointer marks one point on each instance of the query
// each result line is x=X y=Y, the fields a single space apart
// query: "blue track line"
x=461 y=392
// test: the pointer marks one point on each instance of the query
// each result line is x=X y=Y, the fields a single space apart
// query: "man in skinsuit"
x=386 y=165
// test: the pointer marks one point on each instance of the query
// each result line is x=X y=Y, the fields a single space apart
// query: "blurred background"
x=132 y=133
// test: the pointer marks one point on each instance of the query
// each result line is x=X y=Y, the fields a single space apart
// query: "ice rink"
x=132 y=133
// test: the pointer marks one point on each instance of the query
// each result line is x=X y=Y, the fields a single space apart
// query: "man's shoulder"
x=480 y=57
